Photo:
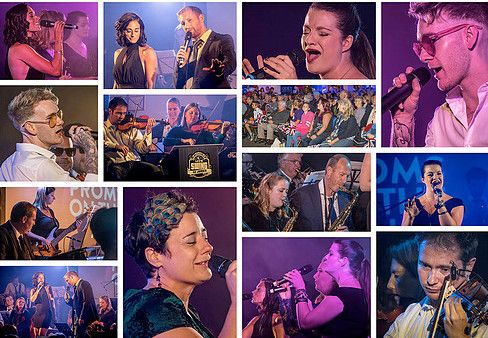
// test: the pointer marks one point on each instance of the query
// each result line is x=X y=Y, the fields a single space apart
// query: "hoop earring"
x=158 y=279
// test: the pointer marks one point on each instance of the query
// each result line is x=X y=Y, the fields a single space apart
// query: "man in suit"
x=13 y=242
x=320 y=204
x=210 y=61
x=82 y=302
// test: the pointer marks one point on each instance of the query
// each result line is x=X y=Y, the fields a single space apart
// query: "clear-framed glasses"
x=51 y=119
x=427 y=41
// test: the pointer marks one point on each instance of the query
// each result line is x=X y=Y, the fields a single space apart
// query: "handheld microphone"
x=303 y=271
x=397 y=95
x=48 y=24
x=67 y=127
x=246 y=296
x=277 y=289
x=296 y=56
x=219 y=264
x=187 y=42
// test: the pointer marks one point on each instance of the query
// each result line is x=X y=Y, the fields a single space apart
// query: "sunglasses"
x=51 y=120
x=427 y=41
x=58 y=151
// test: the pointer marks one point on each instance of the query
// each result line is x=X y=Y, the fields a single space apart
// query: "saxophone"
x=292 y=215
x=341 y=219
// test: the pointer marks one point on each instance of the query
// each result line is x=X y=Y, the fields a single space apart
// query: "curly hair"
x=16 y=25
x=136 y=236
x=262 y=196
x=121 y=25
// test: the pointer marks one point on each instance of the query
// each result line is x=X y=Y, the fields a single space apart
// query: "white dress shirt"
x=32 y=163
x=325 y=206
x=415 y=321
x=449 y=127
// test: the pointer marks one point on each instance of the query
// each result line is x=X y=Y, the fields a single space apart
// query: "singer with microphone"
x=41 y=295
x=268 y=322
x=434 y=207
x=453 y=40
x=343 y=280
x=170 y=244
x=136 y=63
x=210 y=60
x=20 y=34
x=36 y=115
x=334 y=44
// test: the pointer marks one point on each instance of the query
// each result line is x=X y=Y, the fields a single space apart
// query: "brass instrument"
x=341 y=219
x=292 y=215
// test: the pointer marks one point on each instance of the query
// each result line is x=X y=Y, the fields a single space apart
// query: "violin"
x=474 y=299
x=205 y=125
x=136 y=122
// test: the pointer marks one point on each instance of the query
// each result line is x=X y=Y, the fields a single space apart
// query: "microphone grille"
x=422 y=74
x=297 y=56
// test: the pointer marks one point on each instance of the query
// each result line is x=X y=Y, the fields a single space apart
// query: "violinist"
x=438 y=253
x=192 y=130
x=173 y=109
x=123 y=143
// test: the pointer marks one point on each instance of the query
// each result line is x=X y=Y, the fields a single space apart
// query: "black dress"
x=256 y=221
x=129 y=74
x=78 y=66
x=268 y=330
x=423 y=218
x=43 y=315
x=353 y=321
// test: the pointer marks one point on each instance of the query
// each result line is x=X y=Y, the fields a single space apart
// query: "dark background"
x=78 y=103
x=271 y=29
x=217 y=209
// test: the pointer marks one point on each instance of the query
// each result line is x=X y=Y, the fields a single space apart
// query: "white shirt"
x=32 y=163
x=416 y=319
x=131 y=138
x=325 y=206
x=449 y=126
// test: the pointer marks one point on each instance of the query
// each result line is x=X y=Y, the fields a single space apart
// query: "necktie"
x=196 y=46
x=331 y=211
x=24 y=248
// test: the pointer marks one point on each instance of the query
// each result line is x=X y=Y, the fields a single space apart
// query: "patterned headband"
x=160 y=213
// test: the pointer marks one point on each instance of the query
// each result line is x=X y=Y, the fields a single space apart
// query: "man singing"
x=318 y=205
x=35 y=113
x=13 y=242
x=210 y=61
x=83 y=303
x=122 y=147
x=437 y=252
x=452 y=41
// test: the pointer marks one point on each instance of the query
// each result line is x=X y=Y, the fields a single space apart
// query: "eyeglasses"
x=51 y=120
x=295 y=162
x=58 y=151
x=427 y=41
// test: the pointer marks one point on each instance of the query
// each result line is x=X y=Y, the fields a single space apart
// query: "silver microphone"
x=185 y=45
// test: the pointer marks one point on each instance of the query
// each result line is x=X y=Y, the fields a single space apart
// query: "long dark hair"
x=16 y=25
x=359 y=265
x=270 y=306
x=122 y=23
x=349 y=23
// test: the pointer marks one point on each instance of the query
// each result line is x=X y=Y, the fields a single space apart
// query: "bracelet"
x=301 y=296
x=439 y=205
x=442 y=213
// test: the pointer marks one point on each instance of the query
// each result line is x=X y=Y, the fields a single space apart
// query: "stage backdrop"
x=69 y=203
x=399 y=178
x=217 y=209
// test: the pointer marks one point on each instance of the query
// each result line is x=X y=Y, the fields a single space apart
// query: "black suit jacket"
x=9 y=245
x=218 y=46
x=83 y=303
x=307 y=201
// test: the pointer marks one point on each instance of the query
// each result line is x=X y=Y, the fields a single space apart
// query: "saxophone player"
x=320 y=205
x=269 y=211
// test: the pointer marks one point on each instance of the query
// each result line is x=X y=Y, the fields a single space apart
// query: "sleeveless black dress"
x=424 y=218
x=129 y=74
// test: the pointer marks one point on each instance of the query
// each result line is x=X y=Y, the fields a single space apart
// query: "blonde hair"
x=41 y=197
x=349 y=111
x=22 y=107
x=268 y=182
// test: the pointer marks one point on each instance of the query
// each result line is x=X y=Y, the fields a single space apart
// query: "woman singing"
x=169 y=242
x=344 y=311
x=434 y=207
x=135 y=64
x=47 y=39
x=194 y=131
x=268 y=211
x=81 y=59
x=334 y=45
x=20 y=35
x=41 y=295
x=268 y=323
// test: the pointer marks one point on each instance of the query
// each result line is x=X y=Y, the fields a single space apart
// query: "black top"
x=78 y=66
x=423 y=218
x=43 y=315
x=21 y=321
x=44 y=224
x=129 y=74
x=347 y=128
x=176 y=134
x=353 y=322
x=268 y=330
x=108 y=318
x=148 y=313
x=256 y=221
